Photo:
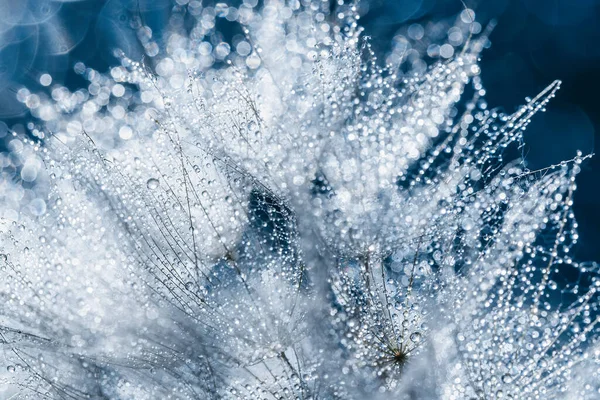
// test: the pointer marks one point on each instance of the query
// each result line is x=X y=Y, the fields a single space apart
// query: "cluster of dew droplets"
x=536 y=312
x=380 y=313
x=450 y=205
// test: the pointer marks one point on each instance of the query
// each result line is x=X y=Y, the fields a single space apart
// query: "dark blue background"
x=535 y=42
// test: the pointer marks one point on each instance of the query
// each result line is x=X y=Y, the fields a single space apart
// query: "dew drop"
x=252 y=127
x=152 y=183
x=415 y=337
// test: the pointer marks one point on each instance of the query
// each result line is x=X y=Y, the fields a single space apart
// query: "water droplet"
x=507 y=378
x=415 y=337
x=152 y=183
x=10 y=368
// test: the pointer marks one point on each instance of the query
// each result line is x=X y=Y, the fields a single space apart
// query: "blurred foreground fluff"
x=281 y=217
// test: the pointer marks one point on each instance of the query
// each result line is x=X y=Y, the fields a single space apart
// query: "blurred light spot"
x=29 y=172
x=416 y=31
x=45 y=80
x=446 y=50
x=433 y=50
x=37 y=207
x=125 y=132
x=467 y=16
x=118 y=90
x=243 y=48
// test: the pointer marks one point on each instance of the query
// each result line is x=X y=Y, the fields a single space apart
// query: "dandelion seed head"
x=284 y=216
